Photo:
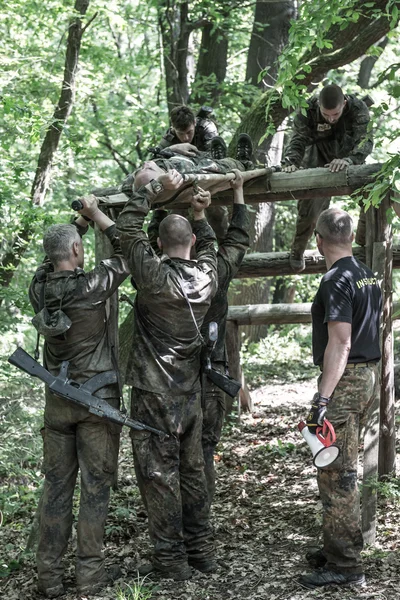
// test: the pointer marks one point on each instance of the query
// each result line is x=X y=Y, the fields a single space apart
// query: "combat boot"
x=54 y=591
x=218 y=149
x=93 y=587
x=323 y=577
x=205 y=566
x=244 y=149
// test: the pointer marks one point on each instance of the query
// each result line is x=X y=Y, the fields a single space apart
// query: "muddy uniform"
x=164 y=367
x=348 y=293
x=229 y=258
x=315 y=143
x=73 y=438
x=204 y=131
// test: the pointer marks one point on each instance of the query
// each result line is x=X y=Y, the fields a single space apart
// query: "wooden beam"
x=273 y=264
x=278 y=314
x=262 y=186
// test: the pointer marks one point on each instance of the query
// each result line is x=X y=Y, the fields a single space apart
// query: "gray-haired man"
x=71 y=312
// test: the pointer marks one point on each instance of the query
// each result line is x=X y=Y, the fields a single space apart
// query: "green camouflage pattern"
x=83 y=297
x=75 y=439
x=315 y=143
x=205 y=130
x=230 y=255
x=354 y=404
x=171 y=477
x=165 y=353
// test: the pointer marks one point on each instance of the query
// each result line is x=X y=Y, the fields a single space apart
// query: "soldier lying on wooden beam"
x=152 y=174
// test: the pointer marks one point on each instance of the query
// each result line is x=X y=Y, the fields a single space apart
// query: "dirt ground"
x=266 y=515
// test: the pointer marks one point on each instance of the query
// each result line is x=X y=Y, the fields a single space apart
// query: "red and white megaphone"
x=322 y=445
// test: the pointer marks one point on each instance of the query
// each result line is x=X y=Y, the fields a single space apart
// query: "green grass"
x=139 y=590
x=285 y=354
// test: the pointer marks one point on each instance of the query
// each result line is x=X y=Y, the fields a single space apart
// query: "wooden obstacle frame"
x=378 y=254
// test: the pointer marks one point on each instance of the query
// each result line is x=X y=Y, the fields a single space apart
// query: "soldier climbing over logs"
x=333 y=133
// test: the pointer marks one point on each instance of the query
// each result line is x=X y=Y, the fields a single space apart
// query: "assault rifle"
x=226 y=383
x=77 y=393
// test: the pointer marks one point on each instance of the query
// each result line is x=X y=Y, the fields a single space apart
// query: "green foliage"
x=278 y=450
x=285 y=355
x=139 y=590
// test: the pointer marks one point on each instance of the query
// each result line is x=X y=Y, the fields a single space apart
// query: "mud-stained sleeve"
x=145 y=266
x=153 y=228
x=205 y=248
x=302 y=137
x=104 y=279
x=233 y=248
x=362 y=138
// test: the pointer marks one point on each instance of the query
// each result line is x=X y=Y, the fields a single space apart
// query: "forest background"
x=86 y=88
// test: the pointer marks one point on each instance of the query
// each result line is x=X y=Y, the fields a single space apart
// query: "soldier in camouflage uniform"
x=186 y=129
x=149 y=172
x=73 y=438
x=230 y=254
x=333 y=133
x=173 y=296
x=345 y=316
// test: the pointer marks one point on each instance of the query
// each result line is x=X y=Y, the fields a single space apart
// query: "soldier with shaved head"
x=174 y=293
x=345 y=316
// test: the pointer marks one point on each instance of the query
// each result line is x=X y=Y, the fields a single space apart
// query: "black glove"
x=317 y=412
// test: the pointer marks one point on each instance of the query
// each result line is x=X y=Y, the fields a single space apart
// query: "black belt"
x=357 y=365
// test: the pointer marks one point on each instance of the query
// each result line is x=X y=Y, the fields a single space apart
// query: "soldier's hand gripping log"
x=80 y=394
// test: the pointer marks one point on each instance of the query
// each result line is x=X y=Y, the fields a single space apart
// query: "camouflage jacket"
x=204 y=131
x=229 y=258
x=83 y=297
x=348 y=138
x=184 y=164
x=166 y=345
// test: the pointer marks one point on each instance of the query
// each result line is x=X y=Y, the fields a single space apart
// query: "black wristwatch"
x=156 y=186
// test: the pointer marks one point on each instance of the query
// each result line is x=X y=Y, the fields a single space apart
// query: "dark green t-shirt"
x=350 y=293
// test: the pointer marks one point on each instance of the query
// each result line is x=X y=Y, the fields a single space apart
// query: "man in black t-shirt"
x=345 y=315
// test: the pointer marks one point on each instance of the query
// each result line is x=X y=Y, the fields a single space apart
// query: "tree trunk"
x=348 y=45
x=269 y=36
x=211 y=65
x=367 y=64
x=274 y=18
x=50 y=143
x=175 y=31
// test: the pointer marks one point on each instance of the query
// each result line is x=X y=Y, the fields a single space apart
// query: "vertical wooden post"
x=387 y=449
x=379 y=441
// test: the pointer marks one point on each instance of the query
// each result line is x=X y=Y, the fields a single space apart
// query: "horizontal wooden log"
x=274 y=264
x=279 y=314
x=262 y=186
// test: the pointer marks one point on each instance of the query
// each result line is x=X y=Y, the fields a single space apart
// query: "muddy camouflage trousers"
x=171 y=477
x=213 y=419
x=355 y=402
x=73 y=440
x=309 y=210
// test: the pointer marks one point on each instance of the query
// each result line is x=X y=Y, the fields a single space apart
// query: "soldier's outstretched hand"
x=185 y=149
x=238 y=181
x=201 y=200
x=337 y=164
x=90 y=206
x=290 y=169
x=171 y=180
